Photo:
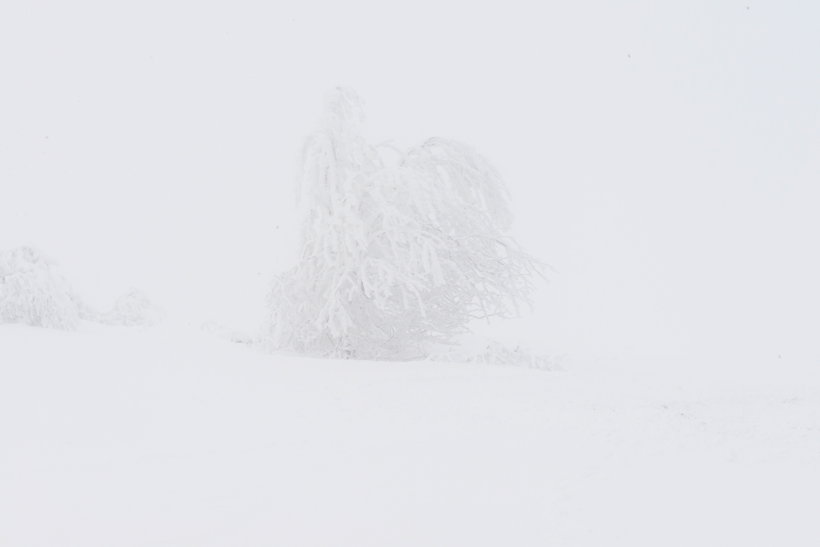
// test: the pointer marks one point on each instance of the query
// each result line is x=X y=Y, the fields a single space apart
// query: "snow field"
x=144 y=437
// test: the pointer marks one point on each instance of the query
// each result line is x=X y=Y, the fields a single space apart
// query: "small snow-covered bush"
x=33 y=292
x=395 y=255
x=132 y=309
x=490 y=352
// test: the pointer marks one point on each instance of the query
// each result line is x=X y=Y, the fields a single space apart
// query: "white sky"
x=664 y=159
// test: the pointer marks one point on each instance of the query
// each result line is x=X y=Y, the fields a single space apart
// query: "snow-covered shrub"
x=394 y=255
x=490 y=352
x=33 y=292
x=132 y=309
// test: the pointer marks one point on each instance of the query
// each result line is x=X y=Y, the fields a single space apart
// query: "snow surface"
x=166 y=436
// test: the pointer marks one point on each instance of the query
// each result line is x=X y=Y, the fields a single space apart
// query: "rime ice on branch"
x=395 y=256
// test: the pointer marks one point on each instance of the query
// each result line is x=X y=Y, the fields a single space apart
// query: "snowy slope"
x=162 y=437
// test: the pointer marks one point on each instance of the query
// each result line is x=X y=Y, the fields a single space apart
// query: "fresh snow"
x=119 y=437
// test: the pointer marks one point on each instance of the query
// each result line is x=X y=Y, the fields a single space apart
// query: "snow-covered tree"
x=395 y=255
x=34 y=292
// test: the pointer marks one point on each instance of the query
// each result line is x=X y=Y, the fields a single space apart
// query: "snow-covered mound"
x=34 y=292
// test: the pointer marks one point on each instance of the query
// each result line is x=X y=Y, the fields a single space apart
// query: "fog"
x=663 y=160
